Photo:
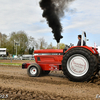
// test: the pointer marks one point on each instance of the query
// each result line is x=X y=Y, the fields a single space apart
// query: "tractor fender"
x=86 y=47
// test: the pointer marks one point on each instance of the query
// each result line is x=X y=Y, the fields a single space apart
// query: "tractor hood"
x=49 y=51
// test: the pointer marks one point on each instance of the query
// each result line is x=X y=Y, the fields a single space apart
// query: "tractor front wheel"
x=34 y=70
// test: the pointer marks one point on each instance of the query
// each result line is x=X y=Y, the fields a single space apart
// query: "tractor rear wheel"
x=34 y=70
x=79 y=65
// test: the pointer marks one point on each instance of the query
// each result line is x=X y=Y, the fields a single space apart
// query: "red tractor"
x=78 y=63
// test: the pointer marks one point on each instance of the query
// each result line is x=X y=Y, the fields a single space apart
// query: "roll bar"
x=84 y=33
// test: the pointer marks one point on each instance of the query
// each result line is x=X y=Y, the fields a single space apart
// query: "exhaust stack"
x=58 y=46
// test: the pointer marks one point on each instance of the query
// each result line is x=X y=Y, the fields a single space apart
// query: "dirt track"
x=15 y=82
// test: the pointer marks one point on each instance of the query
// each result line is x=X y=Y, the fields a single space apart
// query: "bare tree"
x=33 y=43
x=42 y=43
x=50 y=46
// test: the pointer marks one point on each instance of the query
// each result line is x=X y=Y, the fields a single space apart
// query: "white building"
x=2 y=51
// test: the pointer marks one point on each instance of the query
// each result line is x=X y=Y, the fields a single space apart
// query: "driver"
x=79 y=42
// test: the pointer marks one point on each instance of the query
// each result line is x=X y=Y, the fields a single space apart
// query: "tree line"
x=27 y=44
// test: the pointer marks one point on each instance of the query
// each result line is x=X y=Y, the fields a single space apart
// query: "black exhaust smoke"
x=53 y=10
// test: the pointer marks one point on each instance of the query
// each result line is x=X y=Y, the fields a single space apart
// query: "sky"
x=26 y=15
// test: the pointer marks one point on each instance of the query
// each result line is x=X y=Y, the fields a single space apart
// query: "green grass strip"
x=17 y=64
